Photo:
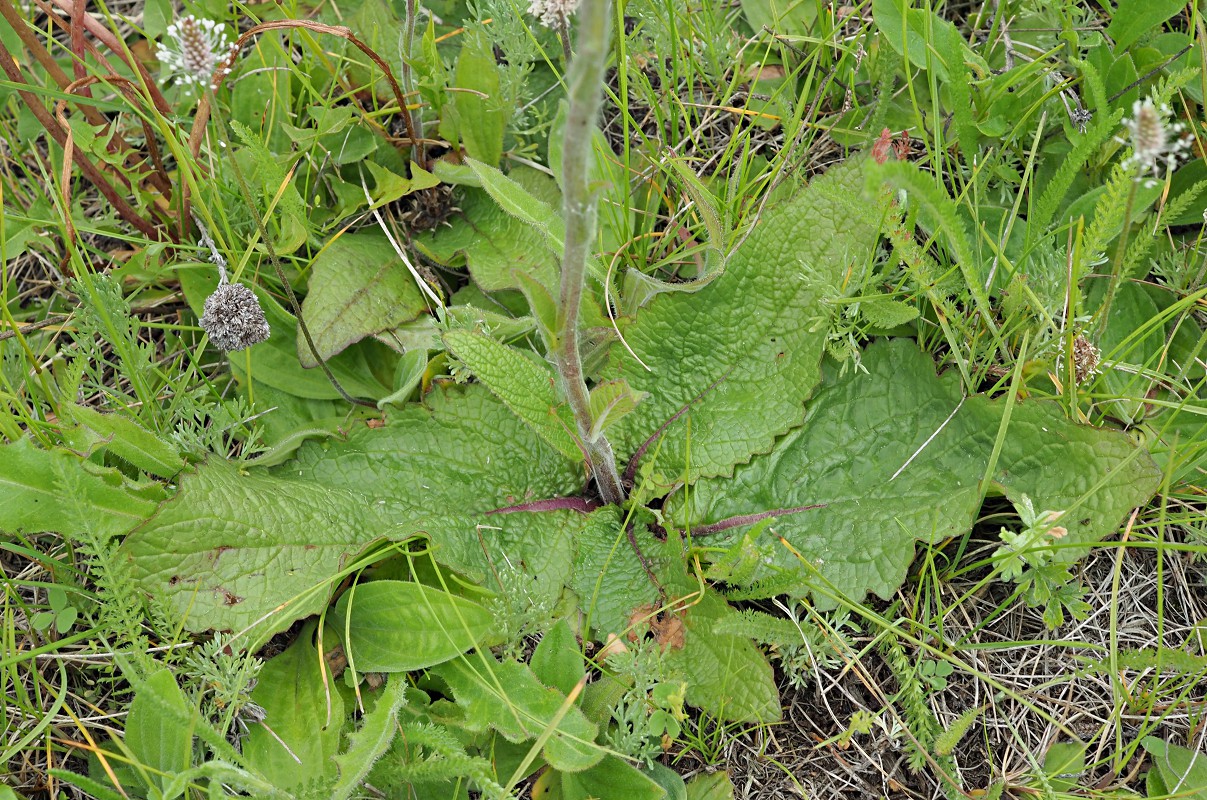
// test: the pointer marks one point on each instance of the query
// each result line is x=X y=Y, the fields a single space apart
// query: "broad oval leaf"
x=398 y=626
x=304 y=716
x=253 y=552
x=359 y=286
x=463 y=455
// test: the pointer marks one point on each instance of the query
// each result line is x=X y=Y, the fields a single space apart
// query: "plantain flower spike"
x=196 y=52
x=553 y=13
x=1156 y=145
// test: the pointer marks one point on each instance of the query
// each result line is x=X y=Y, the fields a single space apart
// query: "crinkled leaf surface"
x=608 y=578
x=863 y=428
x=507 y=696
x=493 y=242
x=744 y=345
x=462 y=452
x=230 y=548
x=459 y=456
x=727 y=675
x=526 y=387
x=358 y=287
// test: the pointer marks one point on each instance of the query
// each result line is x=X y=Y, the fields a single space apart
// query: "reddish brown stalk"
x=580 y=504
x=630 y=471
x=78 y=12
x=107 y=38
x=9 y=65
x=159 y=178
x=42 y=55
x=65 y=26
x=749 y=519
x=203 y=108
x=117 y=145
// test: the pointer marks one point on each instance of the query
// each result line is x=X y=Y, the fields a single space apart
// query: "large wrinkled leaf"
x=608 y=577
x=35 y=497
x=506 y=696
x=727 y=675
x=358 y=287
x=747 y=345
x=232 y=551
x=492 y=242
x=525 y=386
x=305 y=717
x=463 y=455
x=876 y=451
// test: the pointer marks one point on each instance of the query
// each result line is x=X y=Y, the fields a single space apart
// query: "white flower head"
x=1156 y=145
x=196 y=51
x=552 y=13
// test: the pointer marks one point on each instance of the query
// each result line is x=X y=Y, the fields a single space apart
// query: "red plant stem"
x=749 y=519
x=582 y=505
x=107 y=37
x=78 y=12
x=9 y=65
x=42 y=56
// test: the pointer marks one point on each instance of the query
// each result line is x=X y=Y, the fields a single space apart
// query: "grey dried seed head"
x=233 y=317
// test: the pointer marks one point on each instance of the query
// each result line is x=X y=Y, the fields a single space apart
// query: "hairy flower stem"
x=585 y=90
x=408 y=83
x=1104 y=311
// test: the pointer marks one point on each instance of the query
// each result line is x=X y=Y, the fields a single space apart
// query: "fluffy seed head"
x=195 y=51
x=552 y=13
x=233 y=318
